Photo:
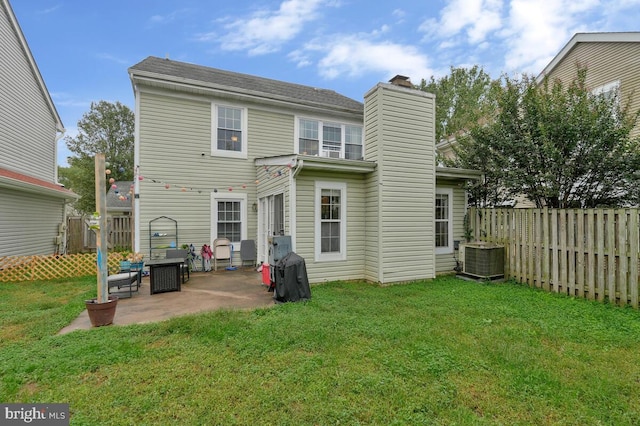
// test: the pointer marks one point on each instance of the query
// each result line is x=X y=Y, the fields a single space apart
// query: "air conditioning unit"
x=482 y=260
x=332 y=154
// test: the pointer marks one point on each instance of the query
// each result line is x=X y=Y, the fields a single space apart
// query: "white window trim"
x=217 y=196
x=214 y=133
x=448 y=249
x=342 y=255
x=321 y=122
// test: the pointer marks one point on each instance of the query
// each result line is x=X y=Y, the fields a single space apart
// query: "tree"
x=107 y=128
x=462 y=98
x=558 y=146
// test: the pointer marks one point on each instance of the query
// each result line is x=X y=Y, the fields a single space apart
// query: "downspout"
x=60 y=131
x=295 y=169
x=62 y=247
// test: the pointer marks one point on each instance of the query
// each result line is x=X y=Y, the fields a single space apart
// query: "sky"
x=84 y=48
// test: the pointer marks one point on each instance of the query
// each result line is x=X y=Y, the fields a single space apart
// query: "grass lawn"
x=440 y=352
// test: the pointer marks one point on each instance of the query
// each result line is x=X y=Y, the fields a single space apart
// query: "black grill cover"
x=291 y=279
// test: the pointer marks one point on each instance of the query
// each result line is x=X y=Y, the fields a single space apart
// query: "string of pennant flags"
x=126 y=194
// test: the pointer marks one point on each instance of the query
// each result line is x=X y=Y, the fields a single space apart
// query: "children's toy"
x=193 y=258
x=206 y=257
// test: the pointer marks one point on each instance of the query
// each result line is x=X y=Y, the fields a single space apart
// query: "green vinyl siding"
x=401 y=140
x=353 y=266
x=174 y=133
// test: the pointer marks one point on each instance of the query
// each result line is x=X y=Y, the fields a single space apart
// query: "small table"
x=164 y=275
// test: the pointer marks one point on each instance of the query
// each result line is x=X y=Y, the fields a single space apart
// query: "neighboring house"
x=354 y=185
x=612 y=61
x=119 y=198
x=32 y=203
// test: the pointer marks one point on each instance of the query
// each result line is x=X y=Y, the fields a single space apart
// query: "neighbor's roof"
x=113 y=196
x=14 y=180
x=241 y=84
x=615 y=37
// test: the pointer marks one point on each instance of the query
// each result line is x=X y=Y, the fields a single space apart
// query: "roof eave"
x=457 y=173
x=10 y=183
x=610 y=37
x=311 y=162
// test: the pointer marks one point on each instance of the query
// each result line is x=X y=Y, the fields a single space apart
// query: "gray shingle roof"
x=297 y=93
x=113 y=201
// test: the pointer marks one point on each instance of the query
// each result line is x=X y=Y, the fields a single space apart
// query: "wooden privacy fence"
x=31 y=268
x=589 y=253
x=81 y=239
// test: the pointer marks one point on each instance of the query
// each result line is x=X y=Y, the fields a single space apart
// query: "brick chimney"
x=401 y=80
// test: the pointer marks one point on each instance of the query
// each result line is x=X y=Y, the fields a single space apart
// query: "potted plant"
x=132 y=260
x=102 y=309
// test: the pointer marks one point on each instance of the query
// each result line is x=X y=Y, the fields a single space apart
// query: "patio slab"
x=205 y=291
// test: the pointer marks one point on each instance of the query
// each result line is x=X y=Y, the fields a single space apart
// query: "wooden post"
x=101 y=235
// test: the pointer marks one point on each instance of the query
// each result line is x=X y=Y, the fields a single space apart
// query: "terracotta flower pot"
x=101 y=313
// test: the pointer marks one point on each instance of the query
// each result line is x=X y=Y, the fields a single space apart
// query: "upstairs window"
x=353 y=143
x=329 y=139
x=608 y=91
x=229 y=131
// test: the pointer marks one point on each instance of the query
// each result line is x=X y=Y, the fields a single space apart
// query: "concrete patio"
x=205 y=291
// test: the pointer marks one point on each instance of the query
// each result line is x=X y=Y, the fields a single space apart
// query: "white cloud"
x=68 y=100
x=169 y=17
x=529 y=32
x=111 y=58
x=477 y=18
x=49 y=10
x=266 y=30
x=356 y=55
x=536 y=32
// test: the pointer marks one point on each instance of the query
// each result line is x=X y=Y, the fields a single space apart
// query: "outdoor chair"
x=221 y=251
x=180 y=254
x=248 y=252
x=127 y=281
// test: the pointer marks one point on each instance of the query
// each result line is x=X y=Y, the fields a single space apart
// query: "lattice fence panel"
x=31 y=268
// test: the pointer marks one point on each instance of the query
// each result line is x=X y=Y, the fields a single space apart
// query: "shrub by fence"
x=31 y=268
x=590 y=253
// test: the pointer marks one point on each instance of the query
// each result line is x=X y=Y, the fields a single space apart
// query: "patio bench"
x=129 y=281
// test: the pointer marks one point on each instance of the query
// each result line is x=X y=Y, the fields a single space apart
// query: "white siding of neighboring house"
x=353 y=266
x=404 y=147
x=28 y=126
x=445 y=262
x=28 y=225
x=174 y=131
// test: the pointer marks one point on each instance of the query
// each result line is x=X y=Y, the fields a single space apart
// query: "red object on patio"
x=266 y=277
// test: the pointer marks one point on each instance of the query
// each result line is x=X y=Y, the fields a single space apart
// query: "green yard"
x=441 y=352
